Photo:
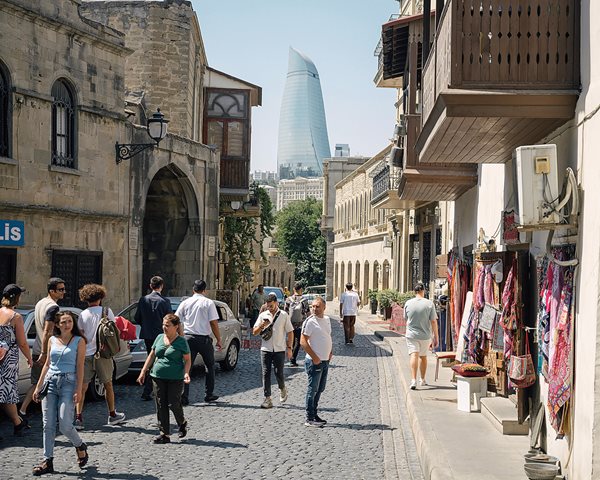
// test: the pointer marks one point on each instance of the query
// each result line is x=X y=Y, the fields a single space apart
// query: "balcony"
x=385 y=190
x=500 y=74
x=421 y=183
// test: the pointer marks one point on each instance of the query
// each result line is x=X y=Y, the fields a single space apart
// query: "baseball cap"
x=12 y=290
x=271 y=297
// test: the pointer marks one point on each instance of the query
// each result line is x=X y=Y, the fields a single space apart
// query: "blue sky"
x=250 y=39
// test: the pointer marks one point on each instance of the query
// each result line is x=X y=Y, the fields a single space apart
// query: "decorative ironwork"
x=383 y=182
x=125 y=151
x=63 y=125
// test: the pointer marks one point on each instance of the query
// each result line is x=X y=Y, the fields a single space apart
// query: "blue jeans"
x=59 y=403
x=317 y=379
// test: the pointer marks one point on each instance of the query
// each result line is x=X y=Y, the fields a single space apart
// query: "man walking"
x=88 y=323
x=349 y=303
x=316 y=342
x=45 y=311
x=421 y=325
x=274 y=348
x=199 y=317
x=257 y=301
x=296 y=306
x=149 y=315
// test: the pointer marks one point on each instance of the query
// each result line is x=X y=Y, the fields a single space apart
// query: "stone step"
x=502 y=413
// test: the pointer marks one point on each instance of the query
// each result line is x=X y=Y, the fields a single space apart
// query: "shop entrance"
x=8 y=266
x=166 y=224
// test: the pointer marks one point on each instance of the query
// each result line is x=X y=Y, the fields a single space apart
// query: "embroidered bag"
x=521 y=370
x=488 y=318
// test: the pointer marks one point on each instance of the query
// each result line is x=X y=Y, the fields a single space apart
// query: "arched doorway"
x=335 y=278
x=357 y=276
x=386 y=275
x=365 y=298
x=341 y=286
x=171 y=207
x=375 y=275
x=349 y=273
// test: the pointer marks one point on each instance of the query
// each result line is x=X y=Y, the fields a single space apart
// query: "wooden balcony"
x=501 y=73
x=420 y=183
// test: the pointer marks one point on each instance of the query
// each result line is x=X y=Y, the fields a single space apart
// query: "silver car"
x=96 y=389
x=229 y=327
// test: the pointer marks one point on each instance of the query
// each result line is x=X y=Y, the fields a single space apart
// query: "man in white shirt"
x=273 y=349
x=349 y=303
x=102 y=368
x=316 y=342
x=199 y=318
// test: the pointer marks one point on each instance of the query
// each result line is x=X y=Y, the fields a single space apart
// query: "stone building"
x=299 y=188
x=76 y=77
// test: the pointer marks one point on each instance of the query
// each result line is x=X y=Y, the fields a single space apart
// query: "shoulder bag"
x=267 y=333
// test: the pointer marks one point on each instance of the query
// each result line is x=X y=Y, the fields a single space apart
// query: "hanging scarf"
x=508 y=318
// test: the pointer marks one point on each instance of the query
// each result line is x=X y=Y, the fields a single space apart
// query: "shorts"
x=102 y=367
x=36 y=370
x=418 y=346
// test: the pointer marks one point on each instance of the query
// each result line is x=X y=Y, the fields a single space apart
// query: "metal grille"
x=76 y=269
x=414 y=261
x=426 y=258
x=63 y=125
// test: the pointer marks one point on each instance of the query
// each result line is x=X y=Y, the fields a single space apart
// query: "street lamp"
x=156 y=128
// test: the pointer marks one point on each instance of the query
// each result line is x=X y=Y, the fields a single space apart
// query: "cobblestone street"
x=235 y=438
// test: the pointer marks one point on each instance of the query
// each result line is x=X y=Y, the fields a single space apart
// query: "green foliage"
x=299 y=238
x=402 y=298
x=240 y=237
x=386 y=297
x=372 y=294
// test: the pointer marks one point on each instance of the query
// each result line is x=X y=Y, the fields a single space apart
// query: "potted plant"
x=373 y=300
x=386 y=298
x=402 y=298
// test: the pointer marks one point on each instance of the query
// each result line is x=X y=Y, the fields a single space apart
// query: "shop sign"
x=12 y=233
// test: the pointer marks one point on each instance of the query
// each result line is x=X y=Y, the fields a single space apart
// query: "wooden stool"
x=439 y=356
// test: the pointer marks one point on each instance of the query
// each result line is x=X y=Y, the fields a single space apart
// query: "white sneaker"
x=413 y=384
x=422 y=382
x=283 y=395
x=118 y=418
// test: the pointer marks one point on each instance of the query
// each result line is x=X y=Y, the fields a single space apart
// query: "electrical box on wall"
x=537 y=185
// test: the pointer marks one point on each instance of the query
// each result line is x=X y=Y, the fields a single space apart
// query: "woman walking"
x=169 y=372
x=12 y=339
x=59 y=388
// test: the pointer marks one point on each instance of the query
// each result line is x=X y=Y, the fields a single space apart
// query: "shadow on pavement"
x=213 y=443
x=359 y=426
x=92 y=472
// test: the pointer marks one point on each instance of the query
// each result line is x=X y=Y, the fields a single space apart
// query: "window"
x=4 y=112
x=227 y=122
x=63 y=125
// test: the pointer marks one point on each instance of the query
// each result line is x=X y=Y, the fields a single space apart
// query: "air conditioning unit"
x=396 y=157
x=537 y=185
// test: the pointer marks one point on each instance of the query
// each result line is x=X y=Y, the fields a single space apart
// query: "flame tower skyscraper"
x=303 y=141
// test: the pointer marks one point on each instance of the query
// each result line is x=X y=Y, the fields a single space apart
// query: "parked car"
x=277 y=291
x=316 y=289
x=229 y=326
x=96 y=389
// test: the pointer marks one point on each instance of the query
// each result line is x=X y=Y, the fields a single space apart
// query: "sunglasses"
x=61 y=289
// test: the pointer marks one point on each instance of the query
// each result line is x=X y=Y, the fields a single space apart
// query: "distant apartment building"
x=264 y=176
x=272 y=192
x=298 y=189
x=342 y=150
x=303 y=142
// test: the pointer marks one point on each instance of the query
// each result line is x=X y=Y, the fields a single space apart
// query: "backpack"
x=107 y=337
x=297 y=311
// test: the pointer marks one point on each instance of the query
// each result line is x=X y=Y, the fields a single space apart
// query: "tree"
x=240 y=236
x=299 y=238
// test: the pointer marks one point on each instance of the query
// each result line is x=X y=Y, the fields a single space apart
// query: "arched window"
x=63 y=125
x=386 y=274
x=341 y=289
x=349 y=272
x=4 y=111
x=375 y=275
x=335 y=277
x=357 y=276
x=366 y=283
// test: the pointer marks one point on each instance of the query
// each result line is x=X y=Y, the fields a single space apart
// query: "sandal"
x=162 y=439
x=45 y=467
x=82 y=461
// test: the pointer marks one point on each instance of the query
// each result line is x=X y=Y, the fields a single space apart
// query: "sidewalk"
x=451 y=444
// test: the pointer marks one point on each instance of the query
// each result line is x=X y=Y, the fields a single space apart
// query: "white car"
x=96 y=389
x=229 y=327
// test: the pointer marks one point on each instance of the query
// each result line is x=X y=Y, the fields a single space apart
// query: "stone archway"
x=171 y=242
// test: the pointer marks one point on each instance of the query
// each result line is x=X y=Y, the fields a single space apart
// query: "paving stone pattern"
x=233 y=439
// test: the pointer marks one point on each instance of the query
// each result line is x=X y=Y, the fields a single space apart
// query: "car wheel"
x=231 y=358
x=96 y=390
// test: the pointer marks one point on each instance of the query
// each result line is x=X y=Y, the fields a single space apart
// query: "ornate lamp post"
x=156 y=127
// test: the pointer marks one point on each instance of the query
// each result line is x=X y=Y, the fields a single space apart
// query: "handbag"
x=521 y=370
x=4 y=347
x=267 y=333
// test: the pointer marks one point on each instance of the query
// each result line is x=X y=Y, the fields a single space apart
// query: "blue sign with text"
x=12 y=233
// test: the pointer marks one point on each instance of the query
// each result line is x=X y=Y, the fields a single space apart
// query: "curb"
x=430 y=450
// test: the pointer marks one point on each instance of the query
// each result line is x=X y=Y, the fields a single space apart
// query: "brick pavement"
x=236 y=439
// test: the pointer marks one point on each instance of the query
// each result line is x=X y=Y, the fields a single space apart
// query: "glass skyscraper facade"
x=303 y=141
